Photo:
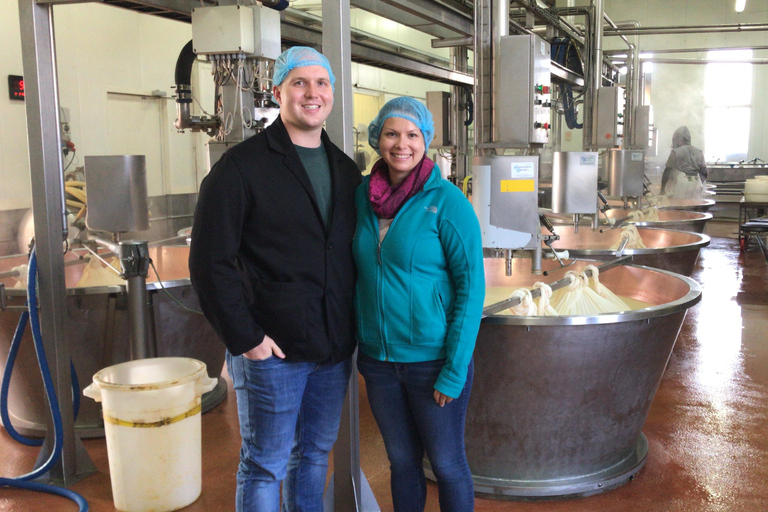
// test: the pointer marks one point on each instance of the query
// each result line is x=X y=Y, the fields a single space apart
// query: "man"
x=271 y=262
x=685 y=169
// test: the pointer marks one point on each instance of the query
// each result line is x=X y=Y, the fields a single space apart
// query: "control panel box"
x=523 y=100
x=610 y=114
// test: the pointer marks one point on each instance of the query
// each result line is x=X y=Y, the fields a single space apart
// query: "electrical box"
x=574 y=182
x=609 y=117
x=252 y=30
x=223 y=29
x=266 y=28
x=523 y=101
x=641 y=135
x=439 y=104
x=505 y=195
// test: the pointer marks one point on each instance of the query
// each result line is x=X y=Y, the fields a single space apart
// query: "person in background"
x=685 y=170
x=271 y=262
x=418 y=304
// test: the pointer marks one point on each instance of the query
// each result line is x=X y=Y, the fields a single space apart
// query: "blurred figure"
x=685 y=170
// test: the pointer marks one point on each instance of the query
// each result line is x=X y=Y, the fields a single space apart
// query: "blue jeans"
x=411 y=422
x=289 y=418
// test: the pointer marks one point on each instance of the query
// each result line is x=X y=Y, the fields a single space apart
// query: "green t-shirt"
x=315 y=162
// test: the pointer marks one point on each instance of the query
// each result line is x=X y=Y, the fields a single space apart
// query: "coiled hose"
x=24 y=481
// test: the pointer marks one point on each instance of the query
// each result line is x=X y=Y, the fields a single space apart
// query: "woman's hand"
x=441 y=399
x=264 y=350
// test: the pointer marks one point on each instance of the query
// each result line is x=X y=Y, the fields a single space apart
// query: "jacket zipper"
x=379 y=284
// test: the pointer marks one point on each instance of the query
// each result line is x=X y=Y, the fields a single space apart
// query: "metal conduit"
x=702 y=29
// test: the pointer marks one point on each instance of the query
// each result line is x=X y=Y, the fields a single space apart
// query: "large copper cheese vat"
x=665 y=249
x=99 y=336
x=558 y=403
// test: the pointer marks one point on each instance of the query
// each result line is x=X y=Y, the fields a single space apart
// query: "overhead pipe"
x=701 y=29
x=693 y=50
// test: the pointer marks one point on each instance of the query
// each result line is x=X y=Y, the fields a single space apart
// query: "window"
x=728 y=99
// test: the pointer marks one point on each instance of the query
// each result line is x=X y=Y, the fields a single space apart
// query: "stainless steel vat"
x=558 y=403
x=99 y=337
x=678 y=220
x=675 y=251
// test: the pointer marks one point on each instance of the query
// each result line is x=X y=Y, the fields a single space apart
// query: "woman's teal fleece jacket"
x=420 y=292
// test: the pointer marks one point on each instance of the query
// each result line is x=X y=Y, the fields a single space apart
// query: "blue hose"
x=23 y=481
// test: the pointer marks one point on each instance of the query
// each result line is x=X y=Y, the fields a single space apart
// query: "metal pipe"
x=701 y=29
x=703 y=61
x=596 y=66
x=450 y=42
x=483 y=83
x=692 y=50
x=500 y=17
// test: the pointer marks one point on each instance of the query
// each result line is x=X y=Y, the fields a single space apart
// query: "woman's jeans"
x=411 y=422
x=289 y=418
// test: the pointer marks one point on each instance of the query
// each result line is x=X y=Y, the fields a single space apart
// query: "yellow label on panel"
x=517 y=185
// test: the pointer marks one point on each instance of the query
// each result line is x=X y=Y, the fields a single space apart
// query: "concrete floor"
x=707 y=428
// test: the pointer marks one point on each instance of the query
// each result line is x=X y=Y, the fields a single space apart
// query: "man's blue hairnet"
x=407 y=108
x=298 y=57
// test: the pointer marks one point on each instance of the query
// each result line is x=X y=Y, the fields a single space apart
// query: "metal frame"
x=42 y=104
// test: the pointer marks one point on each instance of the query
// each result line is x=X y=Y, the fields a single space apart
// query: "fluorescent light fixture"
x=740 y=5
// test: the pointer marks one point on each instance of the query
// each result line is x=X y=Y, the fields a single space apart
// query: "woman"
x=419 y=300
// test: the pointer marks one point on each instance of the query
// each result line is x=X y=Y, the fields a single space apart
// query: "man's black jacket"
x=261 y=260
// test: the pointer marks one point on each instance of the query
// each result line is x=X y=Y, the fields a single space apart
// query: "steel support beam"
x=43 y=132
x=424 y=15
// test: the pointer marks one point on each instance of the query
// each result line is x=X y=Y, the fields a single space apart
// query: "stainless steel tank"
x=99 y=336
x=558 y=403
x=675 y=251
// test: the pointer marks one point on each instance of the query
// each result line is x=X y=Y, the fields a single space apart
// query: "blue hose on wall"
x=23 y=481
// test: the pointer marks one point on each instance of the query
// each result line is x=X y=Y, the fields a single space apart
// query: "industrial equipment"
x=242 y=43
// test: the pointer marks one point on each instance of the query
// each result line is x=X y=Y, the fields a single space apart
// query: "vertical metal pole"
x=596 y=68
x=483 y=75
x=460 y=140
x=348 y=480
x=42 y=103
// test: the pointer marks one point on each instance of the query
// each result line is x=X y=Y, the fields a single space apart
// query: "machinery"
x=241 y=42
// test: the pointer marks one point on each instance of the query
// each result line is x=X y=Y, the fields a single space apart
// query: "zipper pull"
x=378 y=253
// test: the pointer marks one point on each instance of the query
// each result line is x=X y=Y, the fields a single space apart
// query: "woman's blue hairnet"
x=407 y=108
x=298 y=57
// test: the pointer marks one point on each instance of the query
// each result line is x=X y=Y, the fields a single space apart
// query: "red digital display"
x=16 y=87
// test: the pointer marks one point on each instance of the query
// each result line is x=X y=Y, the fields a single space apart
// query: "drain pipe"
x=183 y=77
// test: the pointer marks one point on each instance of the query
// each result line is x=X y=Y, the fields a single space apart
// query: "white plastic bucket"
x=756 y=190
x=151 y=413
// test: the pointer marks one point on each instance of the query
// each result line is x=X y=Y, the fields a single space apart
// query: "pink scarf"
x=386 y=200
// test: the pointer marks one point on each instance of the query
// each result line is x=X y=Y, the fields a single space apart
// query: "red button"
x=607 y=135
x=545 y=89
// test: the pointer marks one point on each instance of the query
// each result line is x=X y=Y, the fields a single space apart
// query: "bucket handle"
x=206 y=384
x=93 y=391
